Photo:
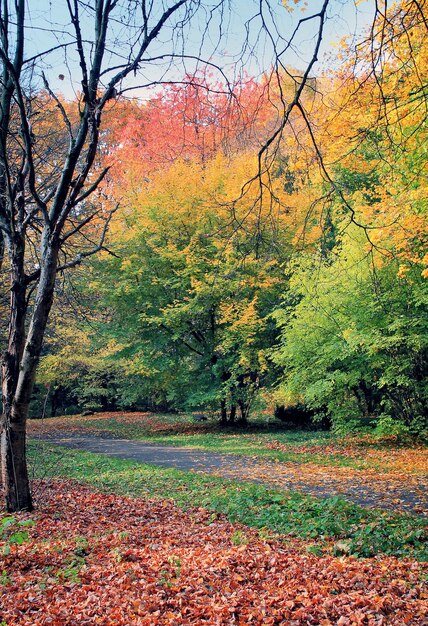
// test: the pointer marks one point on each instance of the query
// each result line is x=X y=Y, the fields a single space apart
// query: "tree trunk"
x=244 y=408
x=55 y=399
x=13 y=445
x=223 y=413
x=19 y=371
x=13 y=464
x=2 y=246
x=232 y=414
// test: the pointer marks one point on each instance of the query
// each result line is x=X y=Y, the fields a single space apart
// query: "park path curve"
x=411 y=497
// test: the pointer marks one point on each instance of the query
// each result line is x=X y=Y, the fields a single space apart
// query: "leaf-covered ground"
x=332 y=525
x=104 y=559
x=373 y=473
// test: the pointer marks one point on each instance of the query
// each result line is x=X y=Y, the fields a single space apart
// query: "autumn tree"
x=355 y=345
x=197 y=269
x=189 y=294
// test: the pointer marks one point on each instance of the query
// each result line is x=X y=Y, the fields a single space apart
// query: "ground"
x=104 y=559
x=120 y=542
x=368 y=472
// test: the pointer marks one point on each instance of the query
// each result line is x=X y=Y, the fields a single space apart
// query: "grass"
x=328 y=525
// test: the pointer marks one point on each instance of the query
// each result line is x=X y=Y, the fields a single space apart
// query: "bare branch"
x=88 y=253
x=60 y=107
x=80 y=225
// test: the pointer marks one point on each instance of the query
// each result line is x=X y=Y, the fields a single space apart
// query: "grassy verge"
x=243 y=443
x=329 y=525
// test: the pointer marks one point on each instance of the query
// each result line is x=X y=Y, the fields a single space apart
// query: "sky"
x=48 y=23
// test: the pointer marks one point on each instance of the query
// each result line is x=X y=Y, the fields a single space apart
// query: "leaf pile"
x=105 y=559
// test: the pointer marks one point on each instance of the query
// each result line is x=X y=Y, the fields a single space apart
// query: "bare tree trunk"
x=1 y=249
x=232 y=414
x=14 y=465
x=13 y=425
x=244 y=408
x=19 y=370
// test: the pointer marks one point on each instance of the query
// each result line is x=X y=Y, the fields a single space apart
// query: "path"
x=377 y=491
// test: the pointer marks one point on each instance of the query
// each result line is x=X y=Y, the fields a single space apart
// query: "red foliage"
x=194 y=120
x=105 y=559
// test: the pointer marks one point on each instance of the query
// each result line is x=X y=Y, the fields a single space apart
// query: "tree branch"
x=88 y=253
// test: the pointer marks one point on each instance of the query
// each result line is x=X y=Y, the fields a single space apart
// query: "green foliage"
x=356 y=345
x=190 y=309
x=77 y=375
x=13 y=532
x=70 y=573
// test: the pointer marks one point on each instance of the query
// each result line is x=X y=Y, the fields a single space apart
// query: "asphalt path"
x=404 y=498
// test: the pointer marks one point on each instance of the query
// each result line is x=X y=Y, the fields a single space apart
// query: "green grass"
x=329 y=525
x=210 y=431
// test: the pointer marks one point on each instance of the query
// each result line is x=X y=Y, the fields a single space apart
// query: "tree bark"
x=232 y=414
x=2 y=245
x=244 y=408
x=19 y=370
x=13 y=425
x=223 y=413
x=14 y=466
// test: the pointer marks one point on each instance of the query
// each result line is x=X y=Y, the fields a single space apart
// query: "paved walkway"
x=411 y=497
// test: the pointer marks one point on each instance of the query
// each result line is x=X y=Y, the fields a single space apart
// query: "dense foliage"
x=355 y=346
x=230 y=287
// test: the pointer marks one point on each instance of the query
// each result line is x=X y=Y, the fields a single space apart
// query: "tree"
x=189 y=296
x=355 y=346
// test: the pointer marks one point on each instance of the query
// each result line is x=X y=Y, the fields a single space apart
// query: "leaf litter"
x=104 y=559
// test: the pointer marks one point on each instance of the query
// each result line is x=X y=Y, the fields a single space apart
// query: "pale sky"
x=48 y=20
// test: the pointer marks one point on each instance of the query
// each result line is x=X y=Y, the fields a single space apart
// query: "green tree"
x=356 y=345
x=190 y=296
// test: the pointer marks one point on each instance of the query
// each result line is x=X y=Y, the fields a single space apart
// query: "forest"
x=238 y=245
x=238 y=281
